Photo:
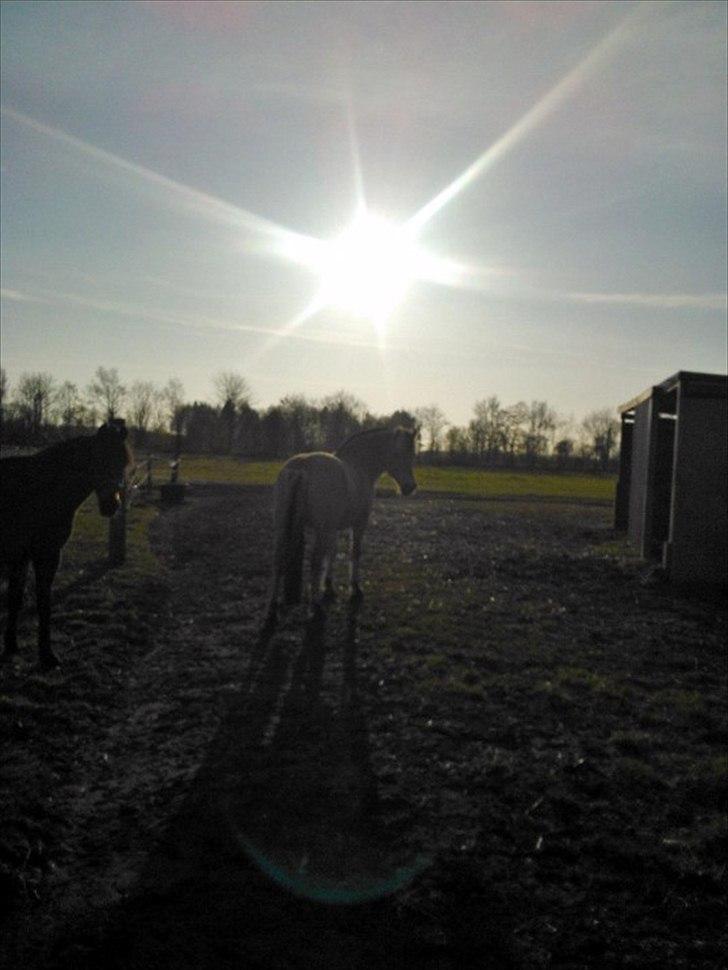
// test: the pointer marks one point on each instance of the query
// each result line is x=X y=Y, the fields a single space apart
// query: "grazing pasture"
x=513 y=755
x=447 y=480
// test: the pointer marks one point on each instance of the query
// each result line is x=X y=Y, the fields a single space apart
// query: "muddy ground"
x=513 y=755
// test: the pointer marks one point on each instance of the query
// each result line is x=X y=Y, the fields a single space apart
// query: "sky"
x=416 y=202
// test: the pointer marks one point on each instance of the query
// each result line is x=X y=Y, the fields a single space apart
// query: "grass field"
x=88 y=544
x=468 y=482
x=90 y=531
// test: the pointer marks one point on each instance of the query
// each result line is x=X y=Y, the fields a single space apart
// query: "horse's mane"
x=362 y=434
x=61 y=448
x=76 y=445
x=368 y=432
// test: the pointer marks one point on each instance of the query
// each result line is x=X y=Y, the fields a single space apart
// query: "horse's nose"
x=108 y=504
x=409 y=487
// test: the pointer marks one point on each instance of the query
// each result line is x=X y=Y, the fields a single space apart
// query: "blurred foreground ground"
x=513 y=756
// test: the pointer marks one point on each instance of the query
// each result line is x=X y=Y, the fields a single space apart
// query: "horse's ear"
x=114 y=426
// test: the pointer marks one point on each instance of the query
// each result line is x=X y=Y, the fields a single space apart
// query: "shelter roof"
x=691 y=384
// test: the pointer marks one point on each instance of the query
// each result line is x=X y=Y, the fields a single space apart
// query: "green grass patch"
x=484 y=483
x=444 y=480
x=230 y=471
x=572 y=684
x=88 y=546
x=674 y=704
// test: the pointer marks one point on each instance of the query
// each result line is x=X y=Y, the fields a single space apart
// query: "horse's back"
x=28 y=518
x=19 y=486
x=328 y=494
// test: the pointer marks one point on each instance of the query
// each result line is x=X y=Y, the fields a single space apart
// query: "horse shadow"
x=281 y=823
x=314 y=766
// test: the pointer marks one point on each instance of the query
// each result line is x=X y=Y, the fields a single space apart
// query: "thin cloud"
x=201 y=324
x=661 y=301
x=16 y=296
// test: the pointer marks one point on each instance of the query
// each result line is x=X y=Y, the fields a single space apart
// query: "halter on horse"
x=39 y=496
x=327 y=493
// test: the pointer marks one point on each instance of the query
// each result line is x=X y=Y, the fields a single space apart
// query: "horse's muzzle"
x=408 y=488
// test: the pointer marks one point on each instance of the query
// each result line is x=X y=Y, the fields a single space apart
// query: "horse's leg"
x=275 y=584
x=272 y=612
x=318 y=567
x=357 y=534
x=45 y=567
x=277 y=570
x=329 y=561
x=17 y=575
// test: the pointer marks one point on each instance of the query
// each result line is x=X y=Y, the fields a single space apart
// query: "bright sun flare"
x=368 y=270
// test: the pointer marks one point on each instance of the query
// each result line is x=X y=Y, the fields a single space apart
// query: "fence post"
x=117 y=532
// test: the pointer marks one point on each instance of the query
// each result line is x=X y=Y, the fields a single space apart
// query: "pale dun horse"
x=326 y=493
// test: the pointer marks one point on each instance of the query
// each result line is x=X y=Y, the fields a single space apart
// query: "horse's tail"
x=291 y=537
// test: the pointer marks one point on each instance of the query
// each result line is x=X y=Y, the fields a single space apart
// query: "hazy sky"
x=162 y=161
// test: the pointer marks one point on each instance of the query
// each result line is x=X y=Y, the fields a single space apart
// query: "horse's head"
x=111 y=458
x=401 y=456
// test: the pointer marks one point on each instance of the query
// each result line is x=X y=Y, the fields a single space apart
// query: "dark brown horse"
x=326 y=493
x=39 y=496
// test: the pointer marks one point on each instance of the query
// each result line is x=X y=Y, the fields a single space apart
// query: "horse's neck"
x=367 y=458
x=70 y=475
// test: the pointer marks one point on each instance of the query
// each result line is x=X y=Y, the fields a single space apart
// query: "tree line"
x=38 y=408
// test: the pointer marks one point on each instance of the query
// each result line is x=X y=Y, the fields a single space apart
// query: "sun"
x=368 y=270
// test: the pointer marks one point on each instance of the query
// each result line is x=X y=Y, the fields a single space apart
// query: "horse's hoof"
x=329 y=594
x=7 y=656
x=49 y=661
x=357 y=597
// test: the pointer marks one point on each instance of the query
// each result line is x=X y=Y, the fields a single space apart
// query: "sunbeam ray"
x=360 y=203
x=596 y=57
x=192 y=200
x=289 y=329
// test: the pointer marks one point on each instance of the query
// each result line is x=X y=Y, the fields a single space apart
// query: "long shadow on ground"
x=280 y=857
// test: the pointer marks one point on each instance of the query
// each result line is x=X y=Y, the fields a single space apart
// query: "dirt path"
x=510 y=757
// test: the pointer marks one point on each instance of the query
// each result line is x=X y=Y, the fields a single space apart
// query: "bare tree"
x=563 y=449
x=540 y=421
x=514 y=419
x=142 y=400
x=34 y=396
x=457 y=441
x=231 y=387
x=3 y=394
x=344 y=401
x=107 y=391
x=434 y=422
x=173 y=395
x=487 y=427
x=302 y=418
x=341 y=414
x=602 y=428
x=67 y=404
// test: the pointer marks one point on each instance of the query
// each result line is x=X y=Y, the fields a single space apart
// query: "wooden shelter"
x=672 y=495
